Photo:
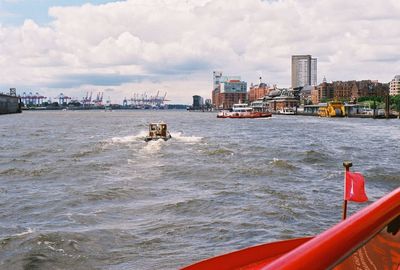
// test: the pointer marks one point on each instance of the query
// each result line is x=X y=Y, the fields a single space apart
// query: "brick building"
x=258 y=91
x=368 y=88
x=349 y=90
x=322 y=92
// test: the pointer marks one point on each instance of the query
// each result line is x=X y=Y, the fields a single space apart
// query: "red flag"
x=354 y=189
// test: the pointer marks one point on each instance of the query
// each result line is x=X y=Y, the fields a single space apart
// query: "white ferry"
x=242 y=111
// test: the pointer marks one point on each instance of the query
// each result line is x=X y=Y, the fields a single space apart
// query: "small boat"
x=287 y=111
x=158 y=131
x=242 y=111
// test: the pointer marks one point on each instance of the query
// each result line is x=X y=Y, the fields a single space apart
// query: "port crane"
x=144 y=100
x=86 y=101
x=62 y=99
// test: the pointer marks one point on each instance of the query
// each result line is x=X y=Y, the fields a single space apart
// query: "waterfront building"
x=369 y=88
x=304 y=70
x=282 y=98
x=198 y=103
x=395 y=86
x=228 y=90
x=10 y=103
x=258 y=91
x=324 y=91
x=348 y=90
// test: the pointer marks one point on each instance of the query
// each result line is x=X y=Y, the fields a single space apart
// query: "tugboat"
x=158 y=131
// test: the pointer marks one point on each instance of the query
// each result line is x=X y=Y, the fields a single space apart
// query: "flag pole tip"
x=347 y=164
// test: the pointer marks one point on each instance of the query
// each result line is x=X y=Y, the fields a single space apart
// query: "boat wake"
x=142 y=134
x=186 y=139
x=128 y=139
x=153 y=146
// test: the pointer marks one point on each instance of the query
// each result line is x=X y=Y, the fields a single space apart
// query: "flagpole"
x=347 y=165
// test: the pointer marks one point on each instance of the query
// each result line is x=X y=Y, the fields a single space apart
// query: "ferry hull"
x=244 y=115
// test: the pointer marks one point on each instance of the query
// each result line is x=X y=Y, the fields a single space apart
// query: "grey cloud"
x=74 y=80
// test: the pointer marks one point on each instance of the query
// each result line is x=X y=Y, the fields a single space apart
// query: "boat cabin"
x=158 y=131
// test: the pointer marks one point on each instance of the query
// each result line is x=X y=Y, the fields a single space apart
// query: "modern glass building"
x=228 y=90
x=304 y=70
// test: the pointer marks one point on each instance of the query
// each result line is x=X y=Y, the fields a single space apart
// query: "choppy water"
x=82 y=190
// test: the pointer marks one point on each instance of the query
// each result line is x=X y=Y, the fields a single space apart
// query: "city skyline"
x=122 y=47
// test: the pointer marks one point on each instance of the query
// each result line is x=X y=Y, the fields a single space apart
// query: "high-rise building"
x=304 y=70
x=197 y=102
x=395 y=86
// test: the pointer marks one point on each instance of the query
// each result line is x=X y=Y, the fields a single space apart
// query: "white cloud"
x=174 y=45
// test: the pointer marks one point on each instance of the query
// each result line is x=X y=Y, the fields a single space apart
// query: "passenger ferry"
x=242 y=111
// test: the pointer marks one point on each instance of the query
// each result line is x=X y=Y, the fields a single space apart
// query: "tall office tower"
x=314 y=79
x=304 y=70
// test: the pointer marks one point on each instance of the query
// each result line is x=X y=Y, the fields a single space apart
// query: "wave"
x=312 y=156
x=282 y=164
x=28 y=231
x=220 y=151
x=24 y=172
x=187 y=139
x=153 y=146
x=128 y=139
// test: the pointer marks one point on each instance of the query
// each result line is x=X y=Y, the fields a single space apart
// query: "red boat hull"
x=369 y=239
x=245 y=115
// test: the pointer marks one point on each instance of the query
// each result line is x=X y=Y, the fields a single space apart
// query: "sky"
x=137 y=46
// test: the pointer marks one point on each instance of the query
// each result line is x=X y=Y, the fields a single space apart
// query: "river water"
x=82 y=190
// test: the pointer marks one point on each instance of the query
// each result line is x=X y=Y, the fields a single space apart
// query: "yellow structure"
x=332 y=109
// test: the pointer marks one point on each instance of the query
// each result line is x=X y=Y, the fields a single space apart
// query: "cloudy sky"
x=136 y=46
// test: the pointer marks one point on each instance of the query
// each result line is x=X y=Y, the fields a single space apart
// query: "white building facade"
x=394 y=88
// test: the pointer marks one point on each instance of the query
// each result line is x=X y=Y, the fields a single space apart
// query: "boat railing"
x=369 y=239
x=334 y=247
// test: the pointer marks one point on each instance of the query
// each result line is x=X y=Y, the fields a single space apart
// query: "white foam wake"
x=128 y=139
x=187 y=139
x=153 y=146
x=23 y=233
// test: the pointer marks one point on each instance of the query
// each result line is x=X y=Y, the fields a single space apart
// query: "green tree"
x=395 y=101
x=324 y=100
